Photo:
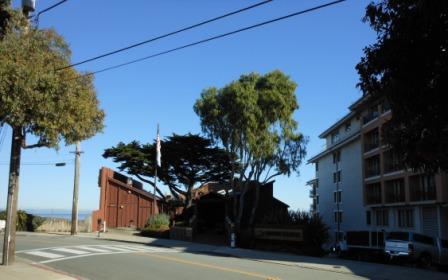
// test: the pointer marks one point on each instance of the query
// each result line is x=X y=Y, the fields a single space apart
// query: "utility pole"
x=18 y=137
x=78 y=153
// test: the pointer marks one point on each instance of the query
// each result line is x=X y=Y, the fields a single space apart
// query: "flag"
x=158 y=148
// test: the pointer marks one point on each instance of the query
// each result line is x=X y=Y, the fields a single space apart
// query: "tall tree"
x=408 y=66
x=37 y=100
x=187 y=160
x=253 y=119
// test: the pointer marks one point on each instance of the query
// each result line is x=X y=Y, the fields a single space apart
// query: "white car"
x=415 y=247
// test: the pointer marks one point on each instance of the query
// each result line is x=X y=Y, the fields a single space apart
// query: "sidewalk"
x=21 y=270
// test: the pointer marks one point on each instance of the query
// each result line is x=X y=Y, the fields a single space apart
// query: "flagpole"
x=155 y=171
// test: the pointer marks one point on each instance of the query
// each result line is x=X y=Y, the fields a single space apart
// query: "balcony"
x=373 y=193
x=313 y=193
x=370 y=116
x=372 y=166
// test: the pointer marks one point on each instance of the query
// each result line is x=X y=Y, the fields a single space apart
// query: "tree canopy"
x=253 y=118
x=37 y=99
x=408 y=66
x=187 y=160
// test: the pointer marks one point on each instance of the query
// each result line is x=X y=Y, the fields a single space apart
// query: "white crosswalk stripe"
x=47 y=255
x=70 y=251
x=93 y=249
x=44 y=254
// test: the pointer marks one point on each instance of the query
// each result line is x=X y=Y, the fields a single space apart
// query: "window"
x=338 y=216
x=368 y=218
x=337 y=196
x=373 y=193
x=406 y=218
x=372 y=166
x=337 y=177
x=391 y=161
x=371 y=140
x=335 y=137
x=382 y=217
x=423 y=239
x=395 y=191
x=385 y=107
x=316 y=199
x=371 y=114
x=422 y=187
x=348 y=126
x=336 y=156
x=317 y=166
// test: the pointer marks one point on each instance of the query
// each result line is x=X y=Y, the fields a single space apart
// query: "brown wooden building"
x=123 y=202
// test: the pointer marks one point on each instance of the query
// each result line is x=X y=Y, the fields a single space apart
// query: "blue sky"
x=318 y=51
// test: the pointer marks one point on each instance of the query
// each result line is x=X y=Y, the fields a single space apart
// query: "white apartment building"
x=359 y=186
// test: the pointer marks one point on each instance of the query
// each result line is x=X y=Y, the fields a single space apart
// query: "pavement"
x=24 y=269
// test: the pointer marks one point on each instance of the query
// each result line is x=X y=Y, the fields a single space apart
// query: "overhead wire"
x=167 y=34
x=214 y=38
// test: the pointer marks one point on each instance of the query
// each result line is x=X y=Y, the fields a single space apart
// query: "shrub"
x=25 y=221
x=158 y=221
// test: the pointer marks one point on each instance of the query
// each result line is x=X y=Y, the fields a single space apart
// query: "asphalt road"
x=87 y=258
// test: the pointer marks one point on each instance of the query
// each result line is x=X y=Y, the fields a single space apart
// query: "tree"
x=37 y=100
x=187 y=160
x=408 y=66
x=253 y=119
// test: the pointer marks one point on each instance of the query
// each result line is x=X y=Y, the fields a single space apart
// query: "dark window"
x=337 y=196
x=382 y=217
x=335 y=137
x=371 y=140
x=391 y=161
x=372 y=166
x=336 y=156
x=338 y=216
x=395 y=191
x=317 y=166
x=336 y=176
x=368 y=218
x=371 y=114
x=444 y=243
x=385 y=106
x=423 y=239
x=422 y=187
x=406 y=218
x=373 y=193
x=348 y=126
x=404 y=236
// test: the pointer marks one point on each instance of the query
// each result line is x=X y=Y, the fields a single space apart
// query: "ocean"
x=59 y=213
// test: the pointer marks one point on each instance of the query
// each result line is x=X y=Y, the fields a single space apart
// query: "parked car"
x=415 y=247
x=362 y=245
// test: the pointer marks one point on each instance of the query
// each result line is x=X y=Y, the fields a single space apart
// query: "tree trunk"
x=9 y=244
x=254 y=205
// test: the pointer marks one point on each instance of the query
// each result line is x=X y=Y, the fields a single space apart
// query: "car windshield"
x=404 y=236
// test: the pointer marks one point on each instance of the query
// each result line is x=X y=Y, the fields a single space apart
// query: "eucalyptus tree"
x=38 y=101
x=253 y=118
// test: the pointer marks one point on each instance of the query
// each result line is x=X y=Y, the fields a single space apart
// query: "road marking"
x=45 y=254
x=127 y=247
x=93 y=249
x=70 y=251
x=216 y=267
x=114 y=247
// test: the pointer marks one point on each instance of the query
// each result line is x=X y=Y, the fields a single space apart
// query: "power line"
x=166 y=35
x=46 y=10
x=213 y=38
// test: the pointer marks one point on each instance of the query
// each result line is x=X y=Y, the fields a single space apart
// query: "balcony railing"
x=313 y=193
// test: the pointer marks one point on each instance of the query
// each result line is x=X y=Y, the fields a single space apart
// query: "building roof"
x=337 y=124
x=335 y=147
x=345 y=118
